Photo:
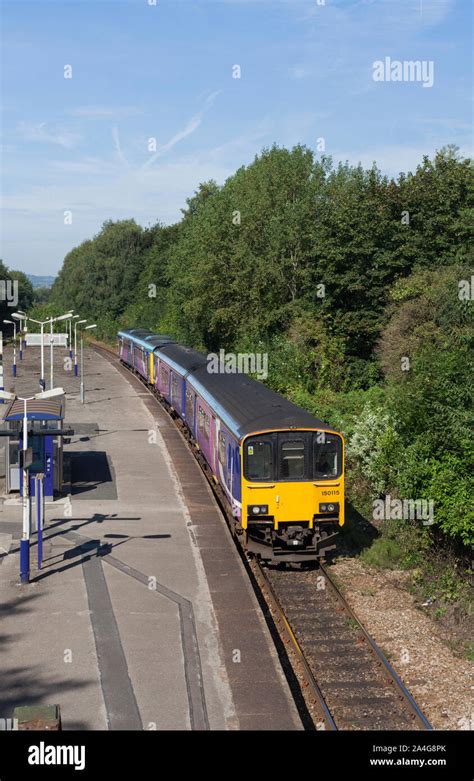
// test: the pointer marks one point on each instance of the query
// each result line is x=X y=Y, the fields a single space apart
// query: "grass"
x=384 y=553
x=439 y=576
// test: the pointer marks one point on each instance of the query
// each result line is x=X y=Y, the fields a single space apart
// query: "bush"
x=373 y=446
x=401 y=545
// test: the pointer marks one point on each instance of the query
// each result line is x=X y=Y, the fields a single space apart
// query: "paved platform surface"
x=142 y=615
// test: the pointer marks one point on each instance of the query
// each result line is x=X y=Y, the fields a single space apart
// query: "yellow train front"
x=281 y=469
x=292 y=493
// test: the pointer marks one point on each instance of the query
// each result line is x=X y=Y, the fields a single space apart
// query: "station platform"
x=142 y=615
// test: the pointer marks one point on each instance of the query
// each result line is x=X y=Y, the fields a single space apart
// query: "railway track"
x=345 y=679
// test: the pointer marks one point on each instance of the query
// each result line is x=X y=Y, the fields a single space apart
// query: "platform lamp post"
x=25 y=539
x=78 y=322
x=51 y=343
x=22 y=338
x=74 y=317
x=19 y=315
x=23 y=331
x=13 y=323
x=87 y=328
x=42 y=324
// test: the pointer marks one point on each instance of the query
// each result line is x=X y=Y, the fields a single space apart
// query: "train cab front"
x=292 y=493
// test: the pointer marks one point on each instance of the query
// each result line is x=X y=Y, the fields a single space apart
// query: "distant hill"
x=37 y=281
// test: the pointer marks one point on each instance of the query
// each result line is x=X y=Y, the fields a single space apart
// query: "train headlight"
x=257 y=509
x=331 y=507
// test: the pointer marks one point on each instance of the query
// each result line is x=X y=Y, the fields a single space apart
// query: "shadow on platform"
x=92 y=475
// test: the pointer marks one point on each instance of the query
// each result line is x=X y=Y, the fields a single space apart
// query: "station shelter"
x=45 y=419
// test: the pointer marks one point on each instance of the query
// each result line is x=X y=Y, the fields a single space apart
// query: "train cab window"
x=292 y=459
x=259 y=459
x=327 y=456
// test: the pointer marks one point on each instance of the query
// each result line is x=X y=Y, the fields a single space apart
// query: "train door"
x=295 y=497
x=190 y=409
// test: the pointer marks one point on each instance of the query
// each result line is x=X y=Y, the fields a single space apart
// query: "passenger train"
x=280 y=470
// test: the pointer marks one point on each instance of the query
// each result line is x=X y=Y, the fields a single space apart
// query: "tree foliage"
x=340 y=274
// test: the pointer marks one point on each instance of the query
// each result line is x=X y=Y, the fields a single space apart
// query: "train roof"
x=247 y=406
x=243 y=404
x=145 y=338
x=137 y=332
x=157 y=340
x=184 y=360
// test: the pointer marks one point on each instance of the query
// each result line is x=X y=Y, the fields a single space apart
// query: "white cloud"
x=40 y=132
x=118 y=148
x=400 y=14
x=299 y=72
x=87 y=165
x=189 y=128
x=104 y=112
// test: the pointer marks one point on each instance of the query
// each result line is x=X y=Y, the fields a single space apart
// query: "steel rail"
x=312 y=690
x=395 y=679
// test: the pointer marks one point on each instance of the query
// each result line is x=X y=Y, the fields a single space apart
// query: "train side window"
x=204 y=423
x=327 y=456
x=201 y=419
x=292 y=460
x=259 y=460
x=221 y=449
x=174 y=388
x=189 y=406
x=163 y=375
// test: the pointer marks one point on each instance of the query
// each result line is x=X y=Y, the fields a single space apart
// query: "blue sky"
x=142 y=71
